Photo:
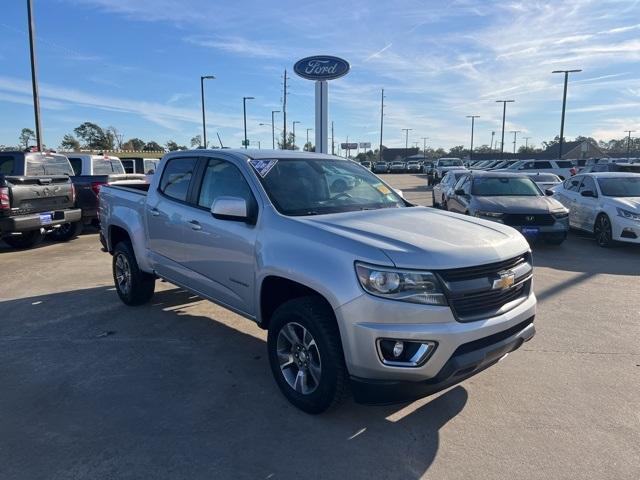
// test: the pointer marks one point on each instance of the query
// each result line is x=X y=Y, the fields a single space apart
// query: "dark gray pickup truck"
x=36 y=197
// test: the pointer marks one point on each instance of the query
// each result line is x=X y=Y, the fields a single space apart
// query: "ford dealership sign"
x=321 y=67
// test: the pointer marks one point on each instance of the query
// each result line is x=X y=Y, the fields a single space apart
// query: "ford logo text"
x=321 y=67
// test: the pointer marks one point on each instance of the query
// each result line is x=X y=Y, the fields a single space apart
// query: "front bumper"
x=26 y=223
x=625 y=230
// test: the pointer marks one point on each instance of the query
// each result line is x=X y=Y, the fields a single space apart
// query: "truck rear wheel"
x=25 y=239
x=66 y=231
x=305 y=354
x=134 y=286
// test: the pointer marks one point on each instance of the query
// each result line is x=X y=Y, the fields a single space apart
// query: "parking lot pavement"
x=180 y=388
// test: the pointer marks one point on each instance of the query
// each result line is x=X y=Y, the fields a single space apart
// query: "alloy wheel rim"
x=299 y=358
x=603 y=233
x=123 y=274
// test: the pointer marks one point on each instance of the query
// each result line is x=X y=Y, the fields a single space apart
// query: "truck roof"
x=258 y=154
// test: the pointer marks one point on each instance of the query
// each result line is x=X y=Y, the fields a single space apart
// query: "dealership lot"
x=181 y=388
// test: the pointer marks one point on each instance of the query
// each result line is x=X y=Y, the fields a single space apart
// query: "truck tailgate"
x=39 y=194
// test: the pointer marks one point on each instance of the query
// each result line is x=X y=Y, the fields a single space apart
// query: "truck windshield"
x=450 y=163
x=505 y=186
x=318 y=186
x=620 y=186
x=107 y=166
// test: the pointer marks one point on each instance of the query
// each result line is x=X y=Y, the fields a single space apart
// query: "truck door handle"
x=195 y=225
x=154 y=211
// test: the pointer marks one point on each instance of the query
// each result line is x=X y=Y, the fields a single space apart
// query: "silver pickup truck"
x=360 y=291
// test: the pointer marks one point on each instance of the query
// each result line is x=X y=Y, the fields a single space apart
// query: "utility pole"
x=526 y=142
x=629 y=142
x=504 y=114
x=273 y=128
x=306 y=144
x=293 y=147
x=284 y=113
x=381 y=124
x=34 y=74
x=473 y=118
x=424 y=148
x=204 y=122
x=406 y=141
x=333 y=144
x=491 y=146
x=515 y=136
x=244 y=111
x=564 y=104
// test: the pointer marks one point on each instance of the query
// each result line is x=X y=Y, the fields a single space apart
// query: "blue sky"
x=135 y=64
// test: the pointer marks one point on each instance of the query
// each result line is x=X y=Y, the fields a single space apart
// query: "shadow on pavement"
x=95 y=389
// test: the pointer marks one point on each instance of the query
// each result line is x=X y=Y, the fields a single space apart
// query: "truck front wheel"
x=305 y=354
x=134 y=286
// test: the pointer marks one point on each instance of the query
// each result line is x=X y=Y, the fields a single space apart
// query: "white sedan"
x=606 y=204
x=441 y=191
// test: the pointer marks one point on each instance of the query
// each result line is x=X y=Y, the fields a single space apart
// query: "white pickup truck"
x=356 y=286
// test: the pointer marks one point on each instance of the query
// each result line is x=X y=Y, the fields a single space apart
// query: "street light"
x=526 y=142
x=493 y=134
x=504 y=113
x=473 y=118
x=406 y=141
x=34 y=74
x=308 y=129
x=424 y=148
x=515 y=136
x=204 y=123
x=244 y=111
x=273 y=132
x=629 y=141
x=564 y=104
x=293 y=147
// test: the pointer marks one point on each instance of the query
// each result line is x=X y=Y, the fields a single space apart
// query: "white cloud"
x=238 y=46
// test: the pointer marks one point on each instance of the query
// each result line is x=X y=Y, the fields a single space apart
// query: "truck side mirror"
x=231 y=208
x=460 y=191
x=588 y=193
x=548 y=192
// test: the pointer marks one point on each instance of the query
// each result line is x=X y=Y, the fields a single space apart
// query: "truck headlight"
x=560 y=214
x=628 y=215
x=402 y=285
x=481 y=213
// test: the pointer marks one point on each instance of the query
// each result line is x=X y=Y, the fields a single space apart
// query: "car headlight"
x=402 y=285
x=480 y=213
x=560 y=214
x=628 y=215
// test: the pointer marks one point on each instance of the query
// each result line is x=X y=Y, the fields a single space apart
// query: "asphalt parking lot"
x=180 y=388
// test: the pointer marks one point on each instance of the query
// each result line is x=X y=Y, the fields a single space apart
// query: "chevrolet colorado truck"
x=359 y=290
x=36 y=197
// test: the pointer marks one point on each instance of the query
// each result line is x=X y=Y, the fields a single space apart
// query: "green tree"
x=69 y=142
x=458 y=151
x=26 y=135
x=152 y=147
x=309 y=147
x=196 y=142
x=93 y=136
x=288 y=145
x=134 y=144
x=173 y=146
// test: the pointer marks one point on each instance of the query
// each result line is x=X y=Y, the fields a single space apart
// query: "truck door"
x=222 y=252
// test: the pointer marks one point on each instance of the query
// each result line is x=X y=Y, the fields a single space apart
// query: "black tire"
x=444 y=205
x=66 y=232
x=134 y=286
x=25 y=239
x=433 y=200
x=602 y=231
x=317 y=318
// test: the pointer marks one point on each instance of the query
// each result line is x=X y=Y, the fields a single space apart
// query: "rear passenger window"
x=541 y=165
x=564 y=164
x=6 y=165
x=223 y=179
x=176 y=177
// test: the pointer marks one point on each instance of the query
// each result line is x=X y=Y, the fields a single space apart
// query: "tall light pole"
x=293 y=147
x=473 y=118
x=424 y=148
x=515 y=137
x=333 y=143
x=308 y=130
x=629 y=142
x=204 y=122
x=34 y=74
x=273 y=131
x=381 y=124
x=244 y=112
x=526 y=142
x=564 y=104
x=493 y=134
x=504 y=114
x=406 y=141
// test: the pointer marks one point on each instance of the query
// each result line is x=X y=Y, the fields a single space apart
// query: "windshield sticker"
x=263 y=167
x=383 y=190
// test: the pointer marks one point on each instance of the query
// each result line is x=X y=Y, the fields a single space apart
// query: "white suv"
x=562 y=168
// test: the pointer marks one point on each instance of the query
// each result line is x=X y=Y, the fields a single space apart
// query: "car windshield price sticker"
x=263 y=167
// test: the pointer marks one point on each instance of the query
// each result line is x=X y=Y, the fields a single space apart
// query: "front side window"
x=315 y=187
x=620 y=186
x=573 y=184
x=176 y=178
x=505 y=186
x=588 y=185
x=223 y=179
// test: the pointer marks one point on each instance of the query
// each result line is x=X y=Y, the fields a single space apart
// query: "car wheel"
x=305 y=354
x=66 y=231
x=24 y=239
x=444 y=205
x=602 y=231
x=134 y=286
x=433 y=200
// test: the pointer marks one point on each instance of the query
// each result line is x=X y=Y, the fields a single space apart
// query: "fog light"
x=398 y=348
x=405 y=353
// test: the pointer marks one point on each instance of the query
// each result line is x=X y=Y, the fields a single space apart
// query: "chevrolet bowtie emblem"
x=506 y=280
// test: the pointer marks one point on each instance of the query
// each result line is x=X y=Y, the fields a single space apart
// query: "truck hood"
x=517 y=204
x=425 y=238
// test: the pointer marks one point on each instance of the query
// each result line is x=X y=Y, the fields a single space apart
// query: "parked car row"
x=541 y=206
x=46 y=193
x=398 y=166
